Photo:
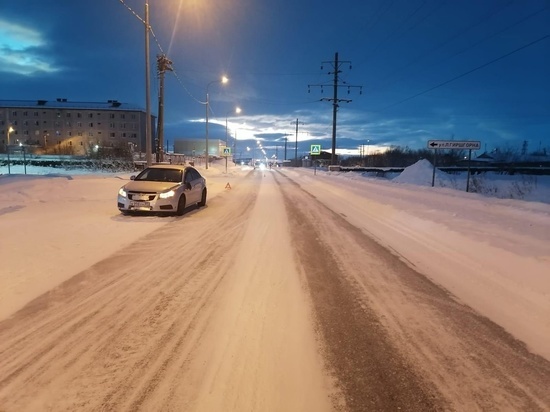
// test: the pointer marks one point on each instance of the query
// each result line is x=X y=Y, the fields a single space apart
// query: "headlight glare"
x=168 y=194
x=122 y=192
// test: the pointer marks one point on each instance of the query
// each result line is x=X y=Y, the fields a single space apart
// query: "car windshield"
x=160 y=175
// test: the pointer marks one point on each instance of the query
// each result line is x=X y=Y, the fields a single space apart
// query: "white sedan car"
x=163 y=189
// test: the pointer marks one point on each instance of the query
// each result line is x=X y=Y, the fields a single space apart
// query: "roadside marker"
x=228 y=186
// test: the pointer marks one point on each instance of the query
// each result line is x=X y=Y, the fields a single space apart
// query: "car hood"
x=145 y=186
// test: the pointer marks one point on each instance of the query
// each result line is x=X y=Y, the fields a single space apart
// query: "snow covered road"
x=275 y=297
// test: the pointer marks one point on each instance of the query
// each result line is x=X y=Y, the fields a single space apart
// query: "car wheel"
x=181 y=206
x=203 y=198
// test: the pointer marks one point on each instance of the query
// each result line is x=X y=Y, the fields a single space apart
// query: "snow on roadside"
x=492 y=254
x=56 y=223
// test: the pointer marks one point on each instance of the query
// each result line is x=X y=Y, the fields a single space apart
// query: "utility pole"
x=148 y=142
x=296 y=147
x=336 y=65
x=163 y=64
x=286 y=141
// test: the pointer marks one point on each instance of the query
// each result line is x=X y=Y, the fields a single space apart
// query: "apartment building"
x=66 y=127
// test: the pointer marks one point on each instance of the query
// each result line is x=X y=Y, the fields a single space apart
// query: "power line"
x=458 y=34
x=468 y=72
x=336 y=65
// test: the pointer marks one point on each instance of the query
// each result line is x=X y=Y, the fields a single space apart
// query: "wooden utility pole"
x=163 y=64
x=296 y=147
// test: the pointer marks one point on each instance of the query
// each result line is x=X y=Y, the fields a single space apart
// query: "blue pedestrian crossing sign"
x=226 y=151
x=315 y=149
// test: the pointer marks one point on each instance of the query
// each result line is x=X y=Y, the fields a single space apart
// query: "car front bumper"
x=157 y=205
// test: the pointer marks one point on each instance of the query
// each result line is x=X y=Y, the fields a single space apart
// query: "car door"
x=193 y=194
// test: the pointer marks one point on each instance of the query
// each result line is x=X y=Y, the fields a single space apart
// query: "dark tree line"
x=398 y=156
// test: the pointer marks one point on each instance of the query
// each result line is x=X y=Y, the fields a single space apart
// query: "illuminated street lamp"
x=237 y=111
x=223 y=80
x=10 y=130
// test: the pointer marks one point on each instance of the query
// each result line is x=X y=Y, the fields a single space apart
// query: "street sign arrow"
x=454 y=144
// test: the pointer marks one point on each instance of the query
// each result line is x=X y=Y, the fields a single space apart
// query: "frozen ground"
x=492 y=253
x=215 y=310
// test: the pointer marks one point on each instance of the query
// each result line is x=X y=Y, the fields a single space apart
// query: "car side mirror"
x=133 y=177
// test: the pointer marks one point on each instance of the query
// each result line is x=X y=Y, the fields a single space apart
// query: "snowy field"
x=490 y=249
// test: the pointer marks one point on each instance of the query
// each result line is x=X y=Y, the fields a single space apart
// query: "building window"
x=68 y=115
x=112 y=134
x=134 y=117
x=78 y=124
x=69 y=133
x=111 y=116
x=25 y=113
x=68 y=124
x=123 y=116
x=79 y=115
x=123 y=135
x=91 y=124
x=79 y=133
x=37 y=123
x=90 y=134
x=35 y=114
x=14 y=114
x=90 y=115
x=112 y=125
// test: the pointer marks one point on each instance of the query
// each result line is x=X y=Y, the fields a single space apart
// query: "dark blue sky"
x=429 y=69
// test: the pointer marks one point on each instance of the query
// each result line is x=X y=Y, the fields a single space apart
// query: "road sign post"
x=315 y=151
x=454 y=145
x=226 y=152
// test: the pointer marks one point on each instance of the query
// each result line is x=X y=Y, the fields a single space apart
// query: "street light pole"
x=237 y=111
x=148 y=154
x=10 y=130
x=206 y=118
x=207 y=103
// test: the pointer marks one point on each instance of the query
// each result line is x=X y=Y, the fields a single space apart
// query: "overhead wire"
x=468 y=72
x=162 y=51
x=481 y=20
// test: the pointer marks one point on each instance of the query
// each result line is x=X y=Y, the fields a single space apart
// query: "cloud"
x=22 y=49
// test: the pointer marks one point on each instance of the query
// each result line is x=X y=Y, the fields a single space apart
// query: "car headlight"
x=168 y=194
x=122 y=192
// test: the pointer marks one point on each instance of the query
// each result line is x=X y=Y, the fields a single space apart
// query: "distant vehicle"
x=259 y=165
x=163 y=189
